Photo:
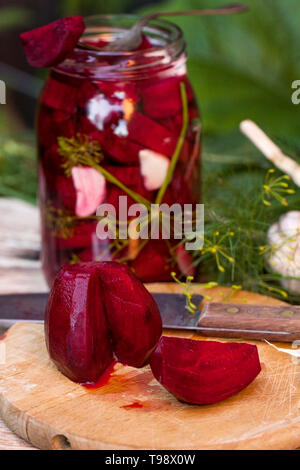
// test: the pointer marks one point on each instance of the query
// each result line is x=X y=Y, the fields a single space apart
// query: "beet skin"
x=204 y=372
x=96 y=312
x=51 y=44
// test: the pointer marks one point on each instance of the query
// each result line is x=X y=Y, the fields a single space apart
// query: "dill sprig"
x=218 y=249
x=59 y=221
x=188 y=290
x=180 y=142
x=275 y=187
x=234 y=193
x=79 y=151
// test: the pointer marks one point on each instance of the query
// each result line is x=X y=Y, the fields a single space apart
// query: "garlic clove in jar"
x=284 y=237
x=154 y=168
x=90 y=187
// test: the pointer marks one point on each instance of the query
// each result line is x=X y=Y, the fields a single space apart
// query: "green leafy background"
x=241 y=67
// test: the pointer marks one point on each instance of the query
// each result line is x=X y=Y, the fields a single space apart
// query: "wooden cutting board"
x=133 y=411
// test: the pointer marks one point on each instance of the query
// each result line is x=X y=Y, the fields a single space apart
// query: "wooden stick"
x=270 y=150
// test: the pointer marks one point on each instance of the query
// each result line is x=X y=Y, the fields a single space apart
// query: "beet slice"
x=204 y=372
x=76 y=331
x=95 y=309
x=86 y=91
x=163 y=99
x=83 y=236
x=153 y=263
x=52 y=124
x=152 y=135
x=174 y=123
x=51 y=44
x=120 y=149
x=129 y=175
x=99 y=251
x=114 y=193
x=53 y=161
x=118 y=91
x=154 y=168
x=185 y=261
x=59 y=95
x=179 y=190
x=65 y=192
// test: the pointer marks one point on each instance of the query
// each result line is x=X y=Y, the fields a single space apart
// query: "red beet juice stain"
x=103 y=380
x=135 y=404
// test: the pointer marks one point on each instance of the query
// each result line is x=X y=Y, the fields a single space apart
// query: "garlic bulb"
x=284 y=237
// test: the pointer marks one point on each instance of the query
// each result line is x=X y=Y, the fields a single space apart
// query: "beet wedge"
x=96 y=312
x=204 y=372
x=162 y=99
x=132 y=314
x=51 y=44
x=76 y=329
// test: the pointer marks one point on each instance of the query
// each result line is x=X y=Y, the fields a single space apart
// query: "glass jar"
x=108 y=125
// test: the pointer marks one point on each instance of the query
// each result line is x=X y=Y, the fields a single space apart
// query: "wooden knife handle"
x=280 y=323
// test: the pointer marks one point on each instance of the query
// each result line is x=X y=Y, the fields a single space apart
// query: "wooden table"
x=20 y=271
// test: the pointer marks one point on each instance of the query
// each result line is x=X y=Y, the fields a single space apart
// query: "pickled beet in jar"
x=108 y=125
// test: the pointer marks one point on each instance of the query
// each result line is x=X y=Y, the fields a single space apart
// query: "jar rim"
x=171 y=36
x=157 y=24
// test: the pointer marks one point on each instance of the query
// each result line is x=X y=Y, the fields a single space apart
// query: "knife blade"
x=31 y=307
x=220 y=319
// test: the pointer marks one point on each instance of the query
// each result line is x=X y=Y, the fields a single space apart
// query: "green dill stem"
x=89 y=159
x=179 y=145
x=137 y=197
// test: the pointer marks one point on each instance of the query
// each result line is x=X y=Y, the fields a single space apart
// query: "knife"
x=220 y=319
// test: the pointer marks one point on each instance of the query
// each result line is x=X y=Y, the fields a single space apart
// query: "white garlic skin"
x=284 y=236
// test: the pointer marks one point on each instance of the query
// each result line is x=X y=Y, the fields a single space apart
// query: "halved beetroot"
x=95 y=309
x=76 y=329
x=51 y=44
x=204 y=372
